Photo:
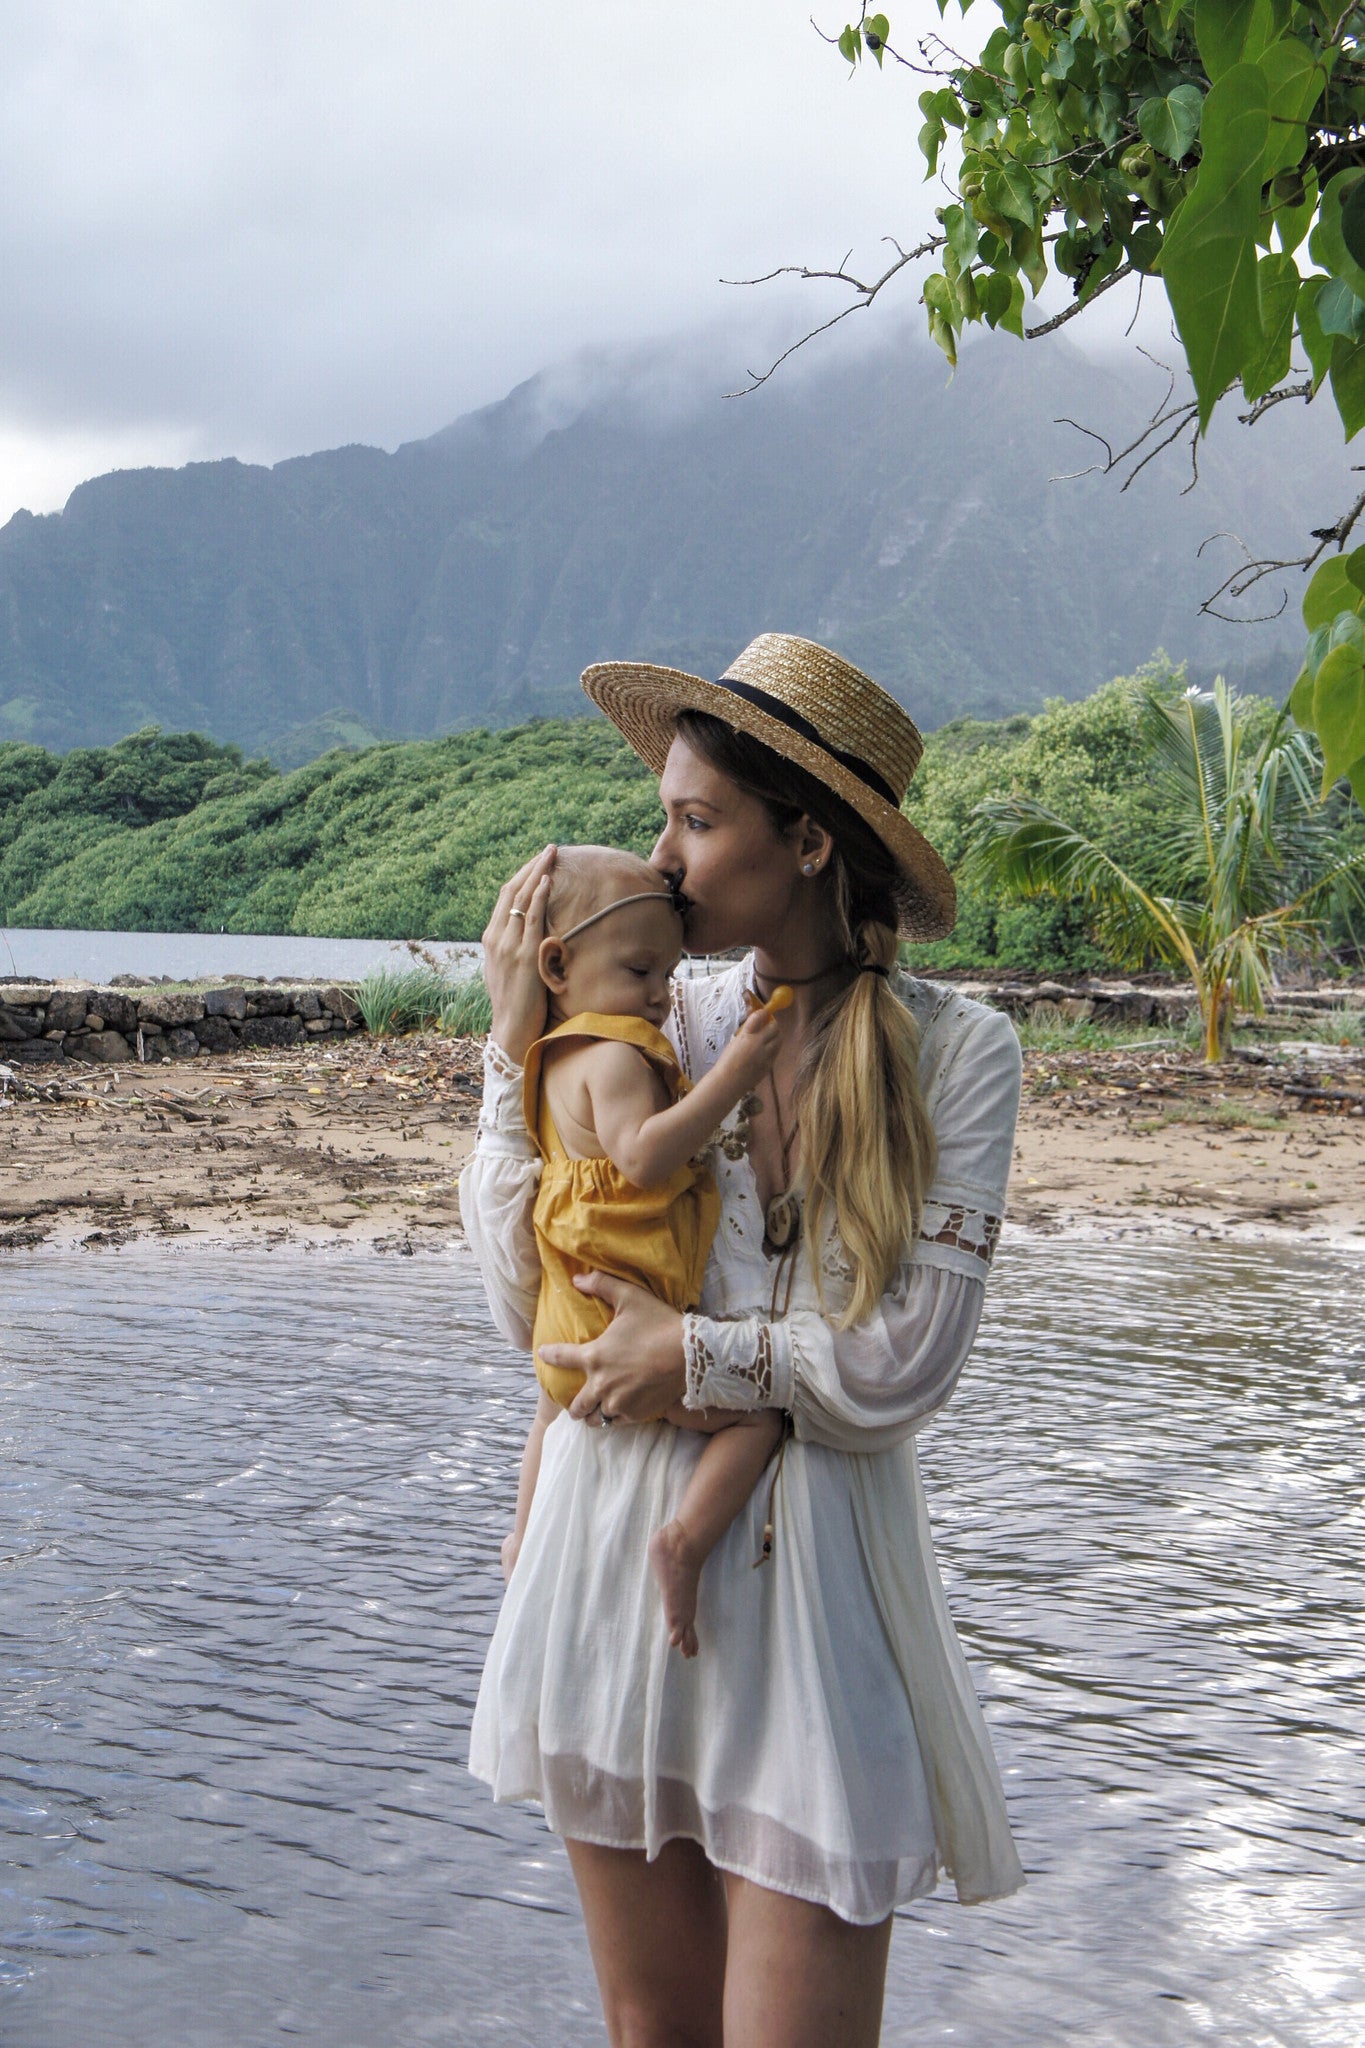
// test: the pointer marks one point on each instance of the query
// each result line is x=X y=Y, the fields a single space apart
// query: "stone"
x=275 y=1030
x=306 y=1005
x=118 y=1012
x=18 y=1021
x=154 y=1045
x=1049 y=991
x=109 y=1046
x=317 y=1026
x=182 y=1043
x=341 y=1004
x=267 y=1002
x=93 y=1021
x=225 y=1002
x=35 y=1050
x=66 y=1008
x=1077 y=1009
x=215 y=1034
x=171 y=1009
x=25 y=995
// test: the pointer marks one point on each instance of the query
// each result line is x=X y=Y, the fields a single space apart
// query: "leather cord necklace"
x=782 y=1214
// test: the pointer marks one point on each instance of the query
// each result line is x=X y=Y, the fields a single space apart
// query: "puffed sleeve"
x=497 y=1197
x=868 y=1388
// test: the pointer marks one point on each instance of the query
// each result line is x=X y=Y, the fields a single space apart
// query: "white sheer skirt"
x=826 y=1742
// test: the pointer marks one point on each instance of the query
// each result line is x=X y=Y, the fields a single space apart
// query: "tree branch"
x=863 y=295
x=1081 y=305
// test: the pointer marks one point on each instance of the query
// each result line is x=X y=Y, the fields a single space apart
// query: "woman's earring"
x=809 y=868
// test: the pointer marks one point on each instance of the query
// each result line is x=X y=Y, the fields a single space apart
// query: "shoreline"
x=359 y=1142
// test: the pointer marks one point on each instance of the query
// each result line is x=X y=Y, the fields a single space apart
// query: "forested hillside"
x=413 y=840
x=466 y=579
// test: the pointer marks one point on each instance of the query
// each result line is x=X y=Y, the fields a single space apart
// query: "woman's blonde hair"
x=868 y=1149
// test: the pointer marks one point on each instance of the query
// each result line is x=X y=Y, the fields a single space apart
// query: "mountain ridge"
x=465 y=579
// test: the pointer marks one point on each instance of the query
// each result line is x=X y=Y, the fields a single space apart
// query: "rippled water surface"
x=250 y=1514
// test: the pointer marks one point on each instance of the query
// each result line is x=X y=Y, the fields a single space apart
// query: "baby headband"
x=640 y=896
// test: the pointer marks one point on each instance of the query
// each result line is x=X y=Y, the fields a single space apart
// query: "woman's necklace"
x=782 y=1215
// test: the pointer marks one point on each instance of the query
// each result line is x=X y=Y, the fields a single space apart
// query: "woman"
x=741 y=1826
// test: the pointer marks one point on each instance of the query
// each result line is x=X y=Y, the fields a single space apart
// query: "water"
x=251 y=1507
x=195 y=956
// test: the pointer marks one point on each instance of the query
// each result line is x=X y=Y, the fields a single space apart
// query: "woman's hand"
x=635 y=1368
x=511 y=946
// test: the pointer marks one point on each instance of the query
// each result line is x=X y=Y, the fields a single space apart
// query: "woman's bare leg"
x=657 y=1935
x=798 y=1976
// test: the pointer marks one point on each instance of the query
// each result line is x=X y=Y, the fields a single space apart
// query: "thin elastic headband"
x=641 y=896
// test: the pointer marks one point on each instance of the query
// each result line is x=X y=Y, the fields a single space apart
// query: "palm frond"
x=1022 y=848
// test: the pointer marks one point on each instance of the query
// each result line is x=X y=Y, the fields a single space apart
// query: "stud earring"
x=809 y=868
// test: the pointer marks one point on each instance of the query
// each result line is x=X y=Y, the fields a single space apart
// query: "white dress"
x=827 y=1741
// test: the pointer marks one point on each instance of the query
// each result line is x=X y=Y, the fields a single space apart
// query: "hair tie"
x=884 y=972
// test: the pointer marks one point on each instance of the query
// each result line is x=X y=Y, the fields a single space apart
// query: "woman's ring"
x=516 y=913
x=604 y=1421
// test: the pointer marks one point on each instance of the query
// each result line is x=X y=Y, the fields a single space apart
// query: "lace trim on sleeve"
x=735 y=1362
x=961 y=1230
x=502 y=1118
x=496 y=1061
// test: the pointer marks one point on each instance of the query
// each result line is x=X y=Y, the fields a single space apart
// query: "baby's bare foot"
x=677 y=1567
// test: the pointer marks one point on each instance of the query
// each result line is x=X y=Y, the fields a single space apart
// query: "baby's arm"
x=646 y=1143
x=545 y=1414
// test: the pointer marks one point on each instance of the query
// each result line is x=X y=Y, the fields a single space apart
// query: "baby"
x=622 y=1189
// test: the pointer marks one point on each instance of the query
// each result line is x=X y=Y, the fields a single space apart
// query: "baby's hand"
x=511 y=1547
x=752 y=1051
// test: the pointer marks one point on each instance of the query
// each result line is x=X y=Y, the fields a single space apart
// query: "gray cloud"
x=239 y=227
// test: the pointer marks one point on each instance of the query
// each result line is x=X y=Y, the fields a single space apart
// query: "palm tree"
x=1250 y=870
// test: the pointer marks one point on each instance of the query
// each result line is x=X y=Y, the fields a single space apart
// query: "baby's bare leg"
x=725 y=1475
x=545 y=1414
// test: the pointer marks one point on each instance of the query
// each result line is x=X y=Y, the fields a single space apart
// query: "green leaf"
x=850 y=44
x=1339 y=713
x=1346 y=630
x=1339 y=310
x=1355 y=569
x=961 y=231
x=1277 y=287
x=1347 y=377
x=994 y=291
x=1353 y=222
x=1301 y=701
x=1327 y=243
x=1209 y=260
x=1171 y=124
x=1317 y=346
x=1144 y=247
x=1231 y=32
x=1330 y=591
x=1296 y=79
x=1009 y=192
x=1294 y=215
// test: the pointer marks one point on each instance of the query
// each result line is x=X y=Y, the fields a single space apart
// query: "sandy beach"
x=363 y=1143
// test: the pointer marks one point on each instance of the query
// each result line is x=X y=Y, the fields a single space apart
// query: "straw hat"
x=815 y=709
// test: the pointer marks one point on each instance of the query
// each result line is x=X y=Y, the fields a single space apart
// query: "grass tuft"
x=468 y=1011
x=394 y=999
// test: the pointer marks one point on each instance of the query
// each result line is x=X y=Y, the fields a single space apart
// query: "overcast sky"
x=261 y=227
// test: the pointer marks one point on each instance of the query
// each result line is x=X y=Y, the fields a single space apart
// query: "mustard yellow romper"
x=590 y=1218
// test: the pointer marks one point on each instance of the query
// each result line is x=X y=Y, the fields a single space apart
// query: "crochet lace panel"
x=498 y=1063
x=961 y=1229
x=500 y=1115
x=729 y=1362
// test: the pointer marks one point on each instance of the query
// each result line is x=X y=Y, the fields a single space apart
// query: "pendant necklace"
x=782 y=1215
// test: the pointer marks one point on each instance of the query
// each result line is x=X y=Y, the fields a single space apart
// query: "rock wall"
x=46 y=1022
